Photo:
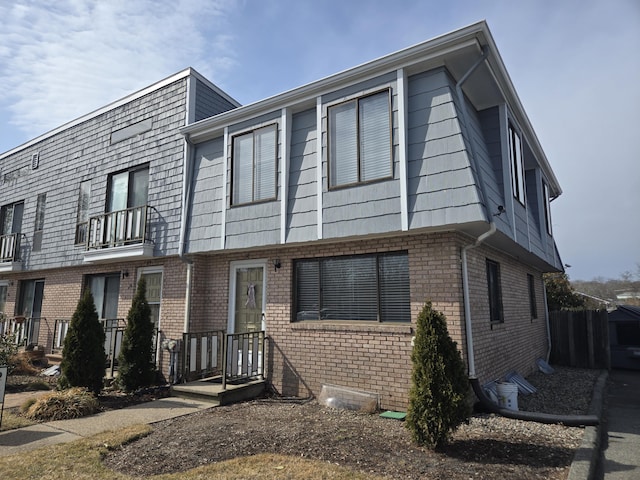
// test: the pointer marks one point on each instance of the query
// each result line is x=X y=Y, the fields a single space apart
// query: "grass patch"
x=11 y=421
x=82 y=460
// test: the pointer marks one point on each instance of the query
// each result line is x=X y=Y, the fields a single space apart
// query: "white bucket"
x=507 y=395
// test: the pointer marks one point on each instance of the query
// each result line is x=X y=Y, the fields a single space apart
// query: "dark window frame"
x=359 y=160
x=533 y=306
x=516 y=161
x=494 y=290
x=383 y=297
x=82 y=213
x=130 y=191
x=547 y=207
x=234 y=186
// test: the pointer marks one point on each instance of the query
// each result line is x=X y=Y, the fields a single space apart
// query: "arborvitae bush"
x=83 y=357
x=438 y=397
x=136 y=366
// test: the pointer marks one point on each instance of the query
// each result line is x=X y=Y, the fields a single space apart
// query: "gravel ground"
x=488 y=447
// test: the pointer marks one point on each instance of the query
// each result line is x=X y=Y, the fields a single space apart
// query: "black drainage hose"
x=567 y=420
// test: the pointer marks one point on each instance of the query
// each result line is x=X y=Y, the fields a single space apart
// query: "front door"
x=247 y=302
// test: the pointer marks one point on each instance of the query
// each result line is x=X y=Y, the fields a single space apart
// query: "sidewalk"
x=61 y=431
x=621 y=455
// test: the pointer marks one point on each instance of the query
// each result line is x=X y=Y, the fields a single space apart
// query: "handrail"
x=244 y=354
x=202 y=354
x=10 y=247
x=122 y=227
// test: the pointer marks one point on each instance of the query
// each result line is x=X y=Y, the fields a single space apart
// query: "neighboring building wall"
x=63 y=287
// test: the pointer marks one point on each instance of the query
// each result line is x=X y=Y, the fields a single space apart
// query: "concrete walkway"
x=61 y=431
x=621 y=455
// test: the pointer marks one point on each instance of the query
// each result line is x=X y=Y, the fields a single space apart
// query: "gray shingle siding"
x=209 y=102
x=85 y=152
x=441 y=187
x=302 y=206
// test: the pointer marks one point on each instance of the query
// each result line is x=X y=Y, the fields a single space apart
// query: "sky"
x=574 y=63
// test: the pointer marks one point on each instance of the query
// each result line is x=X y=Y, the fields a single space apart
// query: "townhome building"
x=297 y=237
x=328 y=215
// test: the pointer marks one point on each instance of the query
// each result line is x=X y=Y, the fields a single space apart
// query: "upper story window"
x=39 y=224
x=495 y=292
x=360 y=140
x=128 y=189
x=82 y=219
x=254 y=166
x=547 y=207
x=371 y=288
x=517 y=165
x=11 y=218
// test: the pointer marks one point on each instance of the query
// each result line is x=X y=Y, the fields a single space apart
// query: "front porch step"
x=210 y=390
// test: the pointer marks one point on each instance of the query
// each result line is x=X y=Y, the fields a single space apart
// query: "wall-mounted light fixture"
x=500 y=211
x=276 y=264
x=125 y=274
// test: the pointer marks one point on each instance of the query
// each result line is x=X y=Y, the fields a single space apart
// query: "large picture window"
x=254 y=165
x=371 y=288
x=360 y=140
x=495 y=292
x=517 y=165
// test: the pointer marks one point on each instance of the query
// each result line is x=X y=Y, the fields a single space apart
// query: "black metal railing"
x=244 y=353
x=202 y=354
x=123 y=227
x=10 y=247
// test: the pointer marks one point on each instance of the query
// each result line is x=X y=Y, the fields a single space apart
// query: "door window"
x=128 y=189
x=105 y=290
x=248 y=304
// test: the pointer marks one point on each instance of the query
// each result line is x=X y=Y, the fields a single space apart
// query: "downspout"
x=485 y=235
x=467 y=302
x=187 y=173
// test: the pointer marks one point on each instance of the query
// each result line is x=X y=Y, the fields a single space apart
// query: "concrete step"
x=210 y=390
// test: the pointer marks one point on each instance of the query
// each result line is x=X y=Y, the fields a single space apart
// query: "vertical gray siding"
x=302 y=207
x=368 y=208
x=441 y=187
x=209 y=102
x=86 y=152
x=205 y=219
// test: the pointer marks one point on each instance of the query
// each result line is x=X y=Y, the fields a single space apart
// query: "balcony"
x=10 y=253
x=120 y=235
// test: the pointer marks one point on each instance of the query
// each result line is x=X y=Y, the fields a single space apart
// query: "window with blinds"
x=360 y=140
x=372 y=288
x=254 y=166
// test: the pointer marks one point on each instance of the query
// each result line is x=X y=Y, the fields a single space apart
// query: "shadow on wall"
x=292 y=383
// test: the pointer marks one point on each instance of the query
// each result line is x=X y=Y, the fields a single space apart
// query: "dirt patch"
x=488 y=447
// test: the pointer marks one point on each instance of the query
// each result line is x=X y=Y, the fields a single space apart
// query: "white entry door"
x=247 y=296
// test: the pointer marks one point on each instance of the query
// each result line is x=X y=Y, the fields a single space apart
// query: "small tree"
x=83 y=356
x=438 y=397
x=136 y=367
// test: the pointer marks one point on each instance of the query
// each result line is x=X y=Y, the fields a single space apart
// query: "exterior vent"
x=35 y=161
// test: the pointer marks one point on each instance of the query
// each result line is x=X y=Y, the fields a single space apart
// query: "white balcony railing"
x=123 y=227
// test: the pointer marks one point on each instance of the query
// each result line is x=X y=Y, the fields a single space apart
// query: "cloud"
x=61 y=60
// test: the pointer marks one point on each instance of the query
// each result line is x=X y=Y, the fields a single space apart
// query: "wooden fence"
x=580 y=338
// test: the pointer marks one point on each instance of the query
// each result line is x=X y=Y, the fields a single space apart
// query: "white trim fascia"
x=403 y=102
x=118 y=103
x=285 y=154
x=137 y=251
x=223 y=211
x=190 y=110
x=319 y=165
x=439 y=47
x=6 y=267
